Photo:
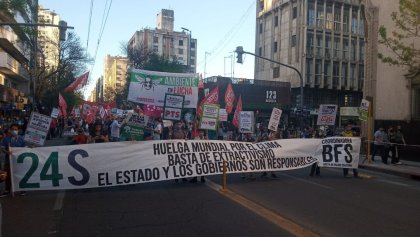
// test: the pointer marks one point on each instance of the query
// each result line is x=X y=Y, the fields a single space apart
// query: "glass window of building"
x=318 y=72
x=354 y=25
x=180 y=51
x=276 y=72
x=344 y=74
x=336 y=73
x=361 y=76
x=327 y=73
x=193 y=45
x=327 y=46
x=311 y=14
x=361 y=51
x=353 y=49
x=260 y=51
x=293 y=43
x=181 y=42
x=361 y=26
x=261 y=28
x=345 y=49
x=275 y=47
x=155 y=40
x=192 y=61
x=276 y=21
x=346 y=20
x=294 y=14
x=310 y=44
x=336 y=47
x=320 y=14
x=309 y=70
x=337 y=17
x=319 y=45
x=352 y=74
x=329 y=18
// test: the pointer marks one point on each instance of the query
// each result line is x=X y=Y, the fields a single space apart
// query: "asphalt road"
x=330 y=205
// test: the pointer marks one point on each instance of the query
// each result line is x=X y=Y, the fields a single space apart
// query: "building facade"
x=115 y=70
x=163 y=40
x=48 y=38
x=14 y=59
x=323 y=39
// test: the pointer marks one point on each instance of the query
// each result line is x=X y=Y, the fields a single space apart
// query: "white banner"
x=123 y=163
x=338 y=152
x=326 y=115
x=149 y=87
x=274 y=119
x=223 y=115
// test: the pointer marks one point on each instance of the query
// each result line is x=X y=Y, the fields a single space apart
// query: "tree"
x=401 y=41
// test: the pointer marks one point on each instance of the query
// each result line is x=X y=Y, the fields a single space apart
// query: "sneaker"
x=264 y=175
x=274 y=176
x=203 y=180
x=399 y=163
x=193 y=180
x=22 y=193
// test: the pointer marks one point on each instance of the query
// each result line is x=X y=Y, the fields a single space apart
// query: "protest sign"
x=223 y=115
x=125 y=163
x=37 y=129
x=338 y=152
x=210 y=117
x=246 y=122
x=173 y=107
x=364 y=110
x=55 y=112
x=274 y=119
x=327 y=115
x=150 y=87
x=133 y=129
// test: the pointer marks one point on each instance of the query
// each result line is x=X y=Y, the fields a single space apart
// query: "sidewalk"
x=408 y=169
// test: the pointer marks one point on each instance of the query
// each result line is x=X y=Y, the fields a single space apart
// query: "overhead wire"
x=90 y=22
x=101 y=31
x=228 y=36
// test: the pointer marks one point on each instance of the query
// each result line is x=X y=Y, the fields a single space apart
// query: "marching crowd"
x=109 y=130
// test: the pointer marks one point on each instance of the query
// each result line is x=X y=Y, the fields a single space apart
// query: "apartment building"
x=163 y=40
x=323 y=39
x=48 y=37
x=115 y=69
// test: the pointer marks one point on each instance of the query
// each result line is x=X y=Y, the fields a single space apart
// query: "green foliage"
x=400 y=41
x=12 y=6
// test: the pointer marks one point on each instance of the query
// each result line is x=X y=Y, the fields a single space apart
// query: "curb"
x=410 y=175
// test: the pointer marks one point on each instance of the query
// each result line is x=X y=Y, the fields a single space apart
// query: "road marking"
x=309 y=182
x=58 y=205
x=392 y=182
x=283 y=223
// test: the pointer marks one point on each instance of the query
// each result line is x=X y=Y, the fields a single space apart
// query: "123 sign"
x=271 y=96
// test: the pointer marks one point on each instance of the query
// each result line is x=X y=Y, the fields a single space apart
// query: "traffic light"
x=63 y=29
x=239 y=52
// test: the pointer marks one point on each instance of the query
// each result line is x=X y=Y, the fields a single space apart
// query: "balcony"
x=12 y=68
x=14 y=49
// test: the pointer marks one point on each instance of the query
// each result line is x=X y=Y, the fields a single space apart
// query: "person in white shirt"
x=115 y=129
x=157 y=131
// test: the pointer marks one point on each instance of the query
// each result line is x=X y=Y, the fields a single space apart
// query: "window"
x=193 y=45
x=260 y=51
x=345 y=49
x=320 y=15
x=155 y=40
x=361 y=51
x=181 y=43
x=309 y=71
x=319 y=45
x=354 y=25
x=327 y=47
x=353 y=49
x=352 y=75
x=336 y=73
x=327 y=73
x=192 y=61
x=180 y=51
x=329 y=18
x=346 y=20
x=275 y=47
x=261 y=28
x=361 y=76
x=294 y=12
x=337 y=17
x=344 y=76
x=276 y=72
x=311 y=14
x=276 y=21
x=336 y=47
x=318 y=72
x=310 y=44
x=293 y=43
x=361 y=26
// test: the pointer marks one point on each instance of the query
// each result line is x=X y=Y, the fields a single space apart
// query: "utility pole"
x=189 y=49
x=240 y=51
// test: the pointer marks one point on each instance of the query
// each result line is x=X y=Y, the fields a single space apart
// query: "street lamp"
x=189 y=49
x=240 y=51
x=205 y=63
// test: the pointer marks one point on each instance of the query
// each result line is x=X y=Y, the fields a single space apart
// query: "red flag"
x=211 y=98
x=152 y=111
x=238 y=110
x=79 y=83
x=73 y=112
x=229 y=98
x=62 y=104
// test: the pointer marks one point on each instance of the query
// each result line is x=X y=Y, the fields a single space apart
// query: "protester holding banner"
x=158 y=129
x=81 y=137
x=115 y=128
x=349 y=133
x=270 y=137
x=13 y=139
x=201 y=136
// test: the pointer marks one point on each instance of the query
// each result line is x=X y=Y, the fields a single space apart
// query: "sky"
x=218 y=25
